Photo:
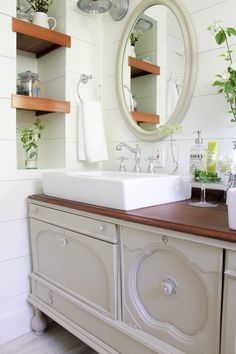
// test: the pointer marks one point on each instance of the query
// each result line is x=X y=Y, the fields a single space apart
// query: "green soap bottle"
x=212 y=156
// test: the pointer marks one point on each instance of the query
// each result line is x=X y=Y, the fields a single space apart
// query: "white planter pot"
x=42 y=19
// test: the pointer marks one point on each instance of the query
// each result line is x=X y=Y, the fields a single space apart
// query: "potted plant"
x=40 y=17
x=40 y=5
x=29 y=137
x=134 y=37
x=226 y=81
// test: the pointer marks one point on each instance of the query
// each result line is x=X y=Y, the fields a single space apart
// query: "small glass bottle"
x=198 y=155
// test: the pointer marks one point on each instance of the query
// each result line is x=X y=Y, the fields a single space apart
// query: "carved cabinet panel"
x=83 y=266
x=172 y=289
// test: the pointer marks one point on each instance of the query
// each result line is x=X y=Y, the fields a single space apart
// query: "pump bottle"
x=198 y=155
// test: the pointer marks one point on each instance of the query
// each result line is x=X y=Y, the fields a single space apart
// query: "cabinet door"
x=172 y=289
x=79 y=264
x=229 y=306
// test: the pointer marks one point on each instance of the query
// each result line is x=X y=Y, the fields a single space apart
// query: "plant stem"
x=173 y=155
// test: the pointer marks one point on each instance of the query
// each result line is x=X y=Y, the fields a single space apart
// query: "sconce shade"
x=94 y=6
x=143 y=24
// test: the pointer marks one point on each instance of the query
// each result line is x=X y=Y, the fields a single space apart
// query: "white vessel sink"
x=119 y=190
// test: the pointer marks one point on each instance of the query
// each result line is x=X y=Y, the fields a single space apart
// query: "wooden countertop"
x=179 y=216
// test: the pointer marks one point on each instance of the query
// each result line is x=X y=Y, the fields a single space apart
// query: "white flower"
x=227 y=163
x=217 y=25
x=225 y=75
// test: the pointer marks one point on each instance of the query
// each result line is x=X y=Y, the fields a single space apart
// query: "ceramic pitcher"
x=42 y=19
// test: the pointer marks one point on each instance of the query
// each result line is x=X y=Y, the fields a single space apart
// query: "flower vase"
x=31 y=158
x=173 y=157
x=132 y=51
x=42 y=19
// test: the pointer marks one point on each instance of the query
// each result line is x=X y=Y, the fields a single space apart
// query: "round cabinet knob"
x=169 y=287
x=63 y=242
x=101 y=228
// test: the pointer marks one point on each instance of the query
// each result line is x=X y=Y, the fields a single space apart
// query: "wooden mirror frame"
x=190 y=45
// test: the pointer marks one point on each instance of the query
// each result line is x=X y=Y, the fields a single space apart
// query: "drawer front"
x=81 y=265
x=92 y=227
x=118 y=340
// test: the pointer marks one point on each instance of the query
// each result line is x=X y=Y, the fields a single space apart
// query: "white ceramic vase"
x=42 y=19
x=132 y=51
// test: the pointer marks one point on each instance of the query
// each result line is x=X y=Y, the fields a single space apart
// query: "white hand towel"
x=172 y=97
x=91 y=135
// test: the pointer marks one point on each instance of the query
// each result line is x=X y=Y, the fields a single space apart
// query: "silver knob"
x=169 y=287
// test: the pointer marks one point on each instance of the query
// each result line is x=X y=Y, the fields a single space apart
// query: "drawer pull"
x=50 y=296
x=169 y=287
x=101 y=228
x=63 y=242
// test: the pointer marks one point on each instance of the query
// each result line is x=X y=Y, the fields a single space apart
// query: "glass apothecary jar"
x=28 y=84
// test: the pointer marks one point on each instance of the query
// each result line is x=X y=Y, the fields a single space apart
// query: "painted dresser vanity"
x=153 y=280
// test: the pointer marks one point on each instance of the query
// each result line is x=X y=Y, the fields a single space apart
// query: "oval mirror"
x=156 y=67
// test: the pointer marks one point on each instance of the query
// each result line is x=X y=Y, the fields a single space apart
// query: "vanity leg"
x=38 y=322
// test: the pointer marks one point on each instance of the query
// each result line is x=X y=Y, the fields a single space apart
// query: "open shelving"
x=40 y=41
x=36 y=39
x=141 y=68
x=40 y=105
x=142 y=117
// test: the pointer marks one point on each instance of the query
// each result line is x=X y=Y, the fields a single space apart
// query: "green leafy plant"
x=205 y=177
x=40 y=5
x=134 y=37
x=226 y=82
x=29 y=137
x=170 y=130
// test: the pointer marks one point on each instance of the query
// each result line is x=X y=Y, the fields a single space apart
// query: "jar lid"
x=28 y=75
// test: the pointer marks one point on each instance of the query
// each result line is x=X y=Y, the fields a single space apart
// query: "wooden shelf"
x=141 y=68
x=37 y=39
x=40 y=105
x=141 y=117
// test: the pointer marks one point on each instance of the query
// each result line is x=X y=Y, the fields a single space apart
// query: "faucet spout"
x=137 y=154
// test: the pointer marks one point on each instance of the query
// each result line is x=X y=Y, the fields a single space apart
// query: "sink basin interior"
x=114 y=189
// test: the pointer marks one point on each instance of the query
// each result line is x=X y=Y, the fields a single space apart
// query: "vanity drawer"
x=88 y=226
x=83 y=266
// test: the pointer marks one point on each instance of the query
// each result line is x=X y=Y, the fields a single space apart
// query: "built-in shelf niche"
x=140 y=68
x=35 y=42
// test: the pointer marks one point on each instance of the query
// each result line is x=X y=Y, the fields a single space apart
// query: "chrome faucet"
x=137 y=154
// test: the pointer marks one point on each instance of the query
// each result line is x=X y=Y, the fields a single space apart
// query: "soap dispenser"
x=198 y=155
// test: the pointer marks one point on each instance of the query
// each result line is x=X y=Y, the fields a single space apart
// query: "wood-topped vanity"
x=179 y=216
x=160 y=279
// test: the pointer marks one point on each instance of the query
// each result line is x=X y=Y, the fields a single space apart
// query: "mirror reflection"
x=153 y=67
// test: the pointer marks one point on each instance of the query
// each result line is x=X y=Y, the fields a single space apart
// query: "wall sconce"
x=117 y=8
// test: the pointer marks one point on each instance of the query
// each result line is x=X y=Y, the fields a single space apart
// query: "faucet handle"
x=151 y=160
x=122 y=163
